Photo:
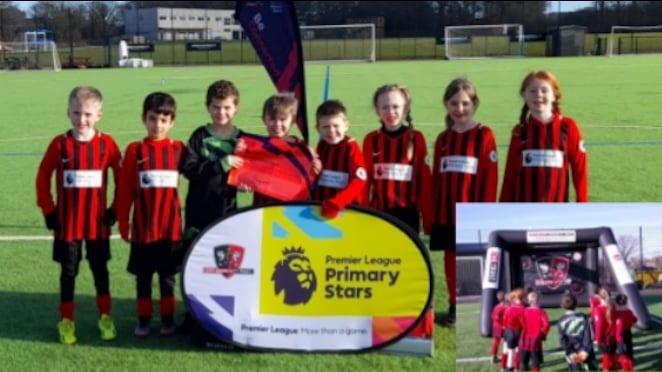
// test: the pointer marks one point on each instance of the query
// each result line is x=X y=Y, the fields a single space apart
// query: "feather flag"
x=273 y=29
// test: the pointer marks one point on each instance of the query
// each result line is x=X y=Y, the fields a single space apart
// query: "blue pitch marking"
x=311 y=224
x=587 y=144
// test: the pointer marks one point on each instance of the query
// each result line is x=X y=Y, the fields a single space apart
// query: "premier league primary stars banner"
x=281 y=277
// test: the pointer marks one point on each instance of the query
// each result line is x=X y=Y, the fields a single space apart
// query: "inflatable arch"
x=553 y=262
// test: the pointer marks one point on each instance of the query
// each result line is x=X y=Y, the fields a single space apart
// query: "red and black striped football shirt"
x=81 y=176
x=540 y=158
x=149 y=182
x=464 y=170
x=343 y=176
x=396 y=180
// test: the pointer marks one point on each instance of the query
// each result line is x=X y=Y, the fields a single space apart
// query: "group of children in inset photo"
x=389 y=172
x=520 y=328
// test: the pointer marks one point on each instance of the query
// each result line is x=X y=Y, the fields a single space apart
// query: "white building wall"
x=185 y=24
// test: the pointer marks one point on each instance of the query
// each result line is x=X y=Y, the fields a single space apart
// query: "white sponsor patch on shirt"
x=393 y=171
x=542 y=158
x=459 y=164
x=82 y=178
x=158 y=178
x=333 y=179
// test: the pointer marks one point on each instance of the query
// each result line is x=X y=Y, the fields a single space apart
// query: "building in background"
x=160 y=24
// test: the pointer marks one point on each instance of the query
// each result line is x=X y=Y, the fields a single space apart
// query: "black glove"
x=109 y=217
x=621 y=348
x=52 y=222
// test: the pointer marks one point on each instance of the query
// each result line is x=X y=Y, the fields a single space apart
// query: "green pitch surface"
x=614 y=100
x=473 y=351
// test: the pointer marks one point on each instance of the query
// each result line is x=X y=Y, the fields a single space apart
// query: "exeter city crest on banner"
x=552 y=271
x=311 y=283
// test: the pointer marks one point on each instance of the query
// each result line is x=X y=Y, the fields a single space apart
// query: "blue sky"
x=623 y=218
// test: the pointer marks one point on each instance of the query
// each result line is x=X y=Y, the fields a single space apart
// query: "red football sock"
x=144 y=307
x=167 y=306
x=103 y=304
x=606 y=362
x=517 y=359
x=504 y=360
x=495 y=346
x=67 y=310
x=449 y=267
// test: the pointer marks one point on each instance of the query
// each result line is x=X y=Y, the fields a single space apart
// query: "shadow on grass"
x=33 y=317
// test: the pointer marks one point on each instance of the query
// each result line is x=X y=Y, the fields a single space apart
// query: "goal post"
x=627 y=40
x=22 y=56
x=346 y=43
x=484 y=41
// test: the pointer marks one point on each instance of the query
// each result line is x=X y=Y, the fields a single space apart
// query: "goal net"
x=634 y=40
x=346 y=43
x=31 y=55
x=469 y=270
x=484 y=41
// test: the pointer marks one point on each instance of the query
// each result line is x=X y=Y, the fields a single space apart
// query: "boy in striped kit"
x=80 y=159
x=343 y=175
x=278 y=114
x=148 y=188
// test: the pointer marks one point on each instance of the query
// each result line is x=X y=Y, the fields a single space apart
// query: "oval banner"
x=281 y=277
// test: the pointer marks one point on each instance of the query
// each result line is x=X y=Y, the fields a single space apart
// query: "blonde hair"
x=84 y=93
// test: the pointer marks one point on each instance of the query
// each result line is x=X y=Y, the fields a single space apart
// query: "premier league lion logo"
x=293 y=275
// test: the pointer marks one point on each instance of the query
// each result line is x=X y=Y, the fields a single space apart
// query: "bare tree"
x=627 y=245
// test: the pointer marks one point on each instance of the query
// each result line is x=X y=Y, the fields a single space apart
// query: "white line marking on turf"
x=555 y=353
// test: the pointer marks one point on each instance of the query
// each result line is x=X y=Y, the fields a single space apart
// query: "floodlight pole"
x=641 y=248
x=558 y=15
x=71 y=37
x=2 y=23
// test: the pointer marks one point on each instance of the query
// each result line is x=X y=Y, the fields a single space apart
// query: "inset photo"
x=559 y=286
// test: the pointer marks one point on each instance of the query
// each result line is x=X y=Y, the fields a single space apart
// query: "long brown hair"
x=545 y=76
x=456 y=86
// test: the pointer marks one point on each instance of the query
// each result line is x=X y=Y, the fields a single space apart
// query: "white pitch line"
x=555 y=353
